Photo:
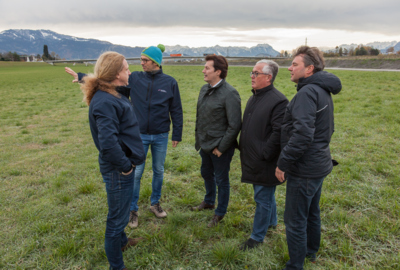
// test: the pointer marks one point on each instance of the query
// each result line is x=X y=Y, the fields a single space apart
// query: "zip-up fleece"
x=308 y=126
x=115 y=131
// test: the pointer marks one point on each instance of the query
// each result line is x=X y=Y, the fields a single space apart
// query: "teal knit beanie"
x=154 y=53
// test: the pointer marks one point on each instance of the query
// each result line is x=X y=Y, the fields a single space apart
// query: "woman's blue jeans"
x=119 y=194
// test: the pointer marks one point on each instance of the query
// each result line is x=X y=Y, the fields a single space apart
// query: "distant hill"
x=30 y=42
x=24 y=41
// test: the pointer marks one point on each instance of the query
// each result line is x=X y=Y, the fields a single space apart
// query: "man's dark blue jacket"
x=115 y=131
x=156 y=100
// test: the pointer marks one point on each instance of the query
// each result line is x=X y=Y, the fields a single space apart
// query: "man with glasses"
x=259 y=146
x=156 y=101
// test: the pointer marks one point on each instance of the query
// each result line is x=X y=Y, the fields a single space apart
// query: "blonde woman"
x=115 y=132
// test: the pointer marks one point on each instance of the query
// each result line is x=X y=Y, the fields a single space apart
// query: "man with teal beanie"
x=156 y=101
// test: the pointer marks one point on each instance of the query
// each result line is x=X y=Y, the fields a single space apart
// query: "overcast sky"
x=283 y=24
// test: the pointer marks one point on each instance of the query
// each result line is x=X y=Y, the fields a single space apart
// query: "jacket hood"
x=323 y=79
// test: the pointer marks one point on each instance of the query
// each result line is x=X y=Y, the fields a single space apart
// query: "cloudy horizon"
x=283 y=25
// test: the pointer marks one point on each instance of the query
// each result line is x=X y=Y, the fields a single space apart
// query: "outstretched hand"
x=72 y=73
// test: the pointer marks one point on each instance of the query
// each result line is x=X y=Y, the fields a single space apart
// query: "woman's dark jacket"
x=115 y=131
x=259 y=142
x=308 y=126
x=218 y=117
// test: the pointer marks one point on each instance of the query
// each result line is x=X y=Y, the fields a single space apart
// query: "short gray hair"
x=270 y=68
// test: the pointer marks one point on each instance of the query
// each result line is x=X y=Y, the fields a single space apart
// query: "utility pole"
x=306 y=41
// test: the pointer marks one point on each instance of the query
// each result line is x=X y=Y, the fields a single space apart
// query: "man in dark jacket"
x=156 y=101
x=218 y=122
x=305 y=159
x=260 y=146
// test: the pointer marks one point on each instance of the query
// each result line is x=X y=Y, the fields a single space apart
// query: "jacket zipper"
x=151 y=93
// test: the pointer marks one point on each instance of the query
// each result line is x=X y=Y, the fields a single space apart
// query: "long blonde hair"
x=106 y=70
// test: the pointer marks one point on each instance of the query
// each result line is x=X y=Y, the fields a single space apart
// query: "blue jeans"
x=119 y=193
x=265 y=211
x=159 y=144
x=302 y=218
x=215 y=172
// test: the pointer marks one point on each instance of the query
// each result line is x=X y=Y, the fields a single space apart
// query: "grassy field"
x=53 y=202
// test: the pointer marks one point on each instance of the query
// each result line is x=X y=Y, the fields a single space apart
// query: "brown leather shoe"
x=131 y=243
x=215 y=220
x=203 y=206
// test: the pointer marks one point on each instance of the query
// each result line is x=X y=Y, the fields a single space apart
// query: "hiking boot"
x=203 y=206
x=249 y=244
x=215 y=220
x=158 y=211
x=133 y=219
x=131 y=243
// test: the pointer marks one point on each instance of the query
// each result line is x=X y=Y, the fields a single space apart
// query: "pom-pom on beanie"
x=154 y=53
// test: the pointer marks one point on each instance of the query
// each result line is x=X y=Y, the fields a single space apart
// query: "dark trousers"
x=215 y=172
x=302 y=218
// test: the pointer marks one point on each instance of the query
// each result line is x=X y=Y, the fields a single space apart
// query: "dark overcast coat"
x=260 y=136
x=308 y=126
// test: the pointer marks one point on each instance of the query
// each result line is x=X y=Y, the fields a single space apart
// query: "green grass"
x=53 y=204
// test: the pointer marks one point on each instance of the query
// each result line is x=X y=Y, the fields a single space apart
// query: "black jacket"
x=260 y=136
x=218 y=117
x=308 y=126
x=115 y=131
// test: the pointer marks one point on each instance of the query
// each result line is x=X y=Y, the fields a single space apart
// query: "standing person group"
x=156 y=100
x=280 y=141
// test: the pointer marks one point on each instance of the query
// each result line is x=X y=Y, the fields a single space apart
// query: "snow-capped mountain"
x=24 y=41
x=29 y=42
x=259 y=50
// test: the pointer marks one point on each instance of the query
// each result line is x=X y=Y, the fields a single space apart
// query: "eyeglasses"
x=255 y=74
x=144 y=60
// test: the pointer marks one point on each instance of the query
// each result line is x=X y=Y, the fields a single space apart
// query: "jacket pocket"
x=216 y=133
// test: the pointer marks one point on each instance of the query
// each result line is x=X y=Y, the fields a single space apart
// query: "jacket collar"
x=211 y=89
x=154 y=73
x=262 y=91
x=123 y=90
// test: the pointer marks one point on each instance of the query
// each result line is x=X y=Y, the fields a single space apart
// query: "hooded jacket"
x=156 y=100
x=308 y=126
x=260 y=137
x=218 y=117
x=115 y=131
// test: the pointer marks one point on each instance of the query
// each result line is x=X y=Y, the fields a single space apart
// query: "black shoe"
x=203 y=206
x=311 y=257
x=249 y=244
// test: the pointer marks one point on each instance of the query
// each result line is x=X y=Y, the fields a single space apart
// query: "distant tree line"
x=358 y=51
x=14 y=56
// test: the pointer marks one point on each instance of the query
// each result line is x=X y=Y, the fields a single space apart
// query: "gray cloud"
x=378 y=16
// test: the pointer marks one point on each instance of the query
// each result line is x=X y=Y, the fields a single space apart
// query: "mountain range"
x=28 y=42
